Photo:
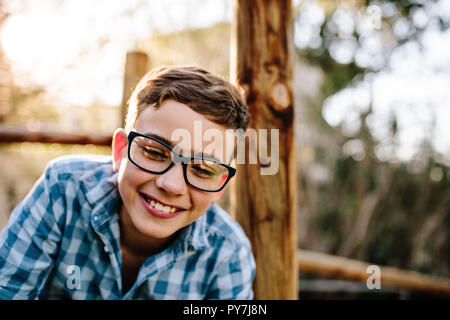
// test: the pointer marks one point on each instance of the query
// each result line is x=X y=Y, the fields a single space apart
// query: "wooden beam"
x=8 y=135
x=136 y=66
x=265 y=205
x=344 y=268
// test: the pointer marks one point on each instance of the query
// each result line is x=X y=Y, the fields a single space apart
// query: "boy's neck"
x=135 y=242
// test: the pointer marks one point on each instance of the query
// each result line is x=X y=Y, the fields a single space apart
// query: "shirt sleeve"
x=30 y=241
x=233 y=277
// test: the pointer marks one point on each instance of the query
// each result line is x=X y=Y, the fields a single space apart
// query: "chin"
x=155 y=229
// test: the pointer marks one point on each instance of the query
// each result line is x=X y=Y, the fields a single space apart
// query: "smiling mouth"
x=159 y=207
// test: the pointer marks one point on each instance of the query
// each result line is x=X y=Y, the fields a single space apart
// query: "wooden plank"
x=265 y=205
x=136 y=66
x=344 y=268
x=8 y=135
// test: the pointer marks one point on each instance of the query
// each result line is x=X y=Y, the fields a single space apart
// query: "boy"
x=142 y=224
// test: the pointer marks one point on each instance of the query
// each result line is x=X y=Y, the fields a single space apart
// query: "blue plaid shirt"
x=63 y=242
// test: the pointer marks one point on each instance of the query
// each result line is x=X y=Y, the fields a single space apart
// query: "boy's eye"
x=155 y=153
x=203 y=171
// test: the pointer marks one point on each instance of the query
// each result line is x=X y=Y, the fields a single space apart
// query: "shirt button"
x=95 y=218
x=106 y=248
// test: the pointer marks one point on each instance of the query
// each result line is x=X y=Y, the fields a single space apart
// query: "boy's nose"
x=172 y=181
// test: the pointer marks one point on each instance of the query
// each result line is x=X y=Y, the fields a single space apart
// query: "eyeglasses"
x=200 y=172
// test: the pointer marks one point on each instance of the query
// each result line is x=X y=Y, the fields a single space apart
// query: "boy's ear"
x=119 y=144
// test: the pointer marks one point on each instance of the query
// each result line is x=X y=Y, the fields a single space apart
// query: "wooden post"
x=136 y=66
x=265 y=205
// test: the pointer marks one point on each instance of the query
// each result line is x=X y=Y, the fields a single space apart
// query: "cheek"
x=201 y=200
x=130 y=178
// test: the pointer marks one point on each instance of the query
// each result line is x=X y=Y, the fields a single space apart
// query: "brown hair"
x=202 y=91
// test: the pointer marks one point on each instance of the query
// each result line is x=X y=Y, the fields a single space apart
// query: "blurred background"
x=372 y=82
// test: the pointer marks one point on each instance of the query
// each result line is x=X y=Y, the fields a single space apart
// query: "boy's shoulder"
x=93 y=173
x=79 y=163
x=80 y=167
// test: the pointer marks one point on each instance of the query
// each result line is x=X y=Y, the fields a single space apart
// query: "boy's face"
x=138 y=187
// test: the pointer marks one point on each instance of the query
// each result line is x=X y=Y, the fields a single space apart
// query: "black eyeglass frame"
x=180 y=158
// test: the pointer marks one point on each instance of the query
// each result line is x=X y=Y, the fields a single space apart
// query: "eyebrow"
x=172 y=144
x=162 y=139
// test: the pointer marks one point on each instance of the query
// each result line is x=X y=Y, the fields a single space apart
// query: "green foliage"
x=387 y=213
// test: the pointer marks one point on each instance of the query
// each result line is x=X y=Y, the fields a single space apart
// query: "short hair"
x=210 y=95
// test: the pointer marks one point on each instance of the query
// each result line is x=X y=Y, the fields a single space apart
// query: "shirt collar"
x=196 y=236
x=100 y=188
x=99 y=183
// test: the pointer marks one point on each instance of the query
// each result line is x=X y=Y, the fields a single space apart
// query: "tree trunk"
x=265 y=205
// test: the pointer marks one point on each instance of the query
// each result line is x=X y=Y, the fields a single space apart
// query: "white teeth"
x=161 y=207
